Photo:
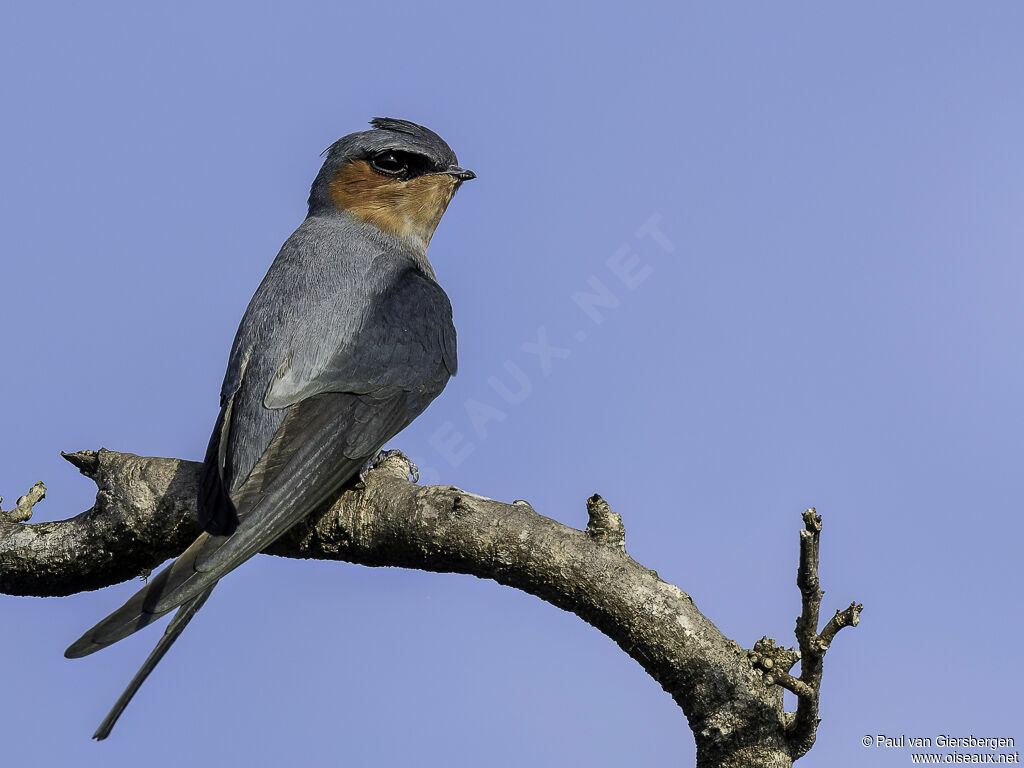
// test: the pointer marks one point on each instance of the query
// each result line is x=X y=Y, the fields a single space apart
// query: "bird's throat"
x=409 y=210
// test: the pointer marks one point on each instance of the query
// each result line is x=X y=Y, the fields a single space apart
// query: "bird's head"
x=398 y=177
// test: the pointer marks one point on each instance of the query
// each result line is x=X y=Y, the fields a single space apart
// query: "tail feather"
x=210 y=557
x=303 y=466
x=143 y=608
x=174 y=629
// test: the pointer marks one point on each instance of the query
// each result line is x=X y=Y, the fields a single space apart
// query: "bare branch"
x=804 y=726
x=848 y=618
x=145 y=513
x=790 y=683
x=23 y=506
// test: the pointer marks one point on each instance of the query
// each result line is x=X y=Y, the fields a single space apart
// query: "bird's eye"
x=390 y=164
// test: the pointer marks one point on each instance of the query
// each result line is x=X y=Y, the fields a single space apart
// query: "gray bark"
x=732 y=697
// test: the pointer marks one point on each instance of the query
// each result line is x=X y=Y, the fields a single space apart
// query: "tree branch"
x=145 y=513
x=23 y=506
x=813 y=644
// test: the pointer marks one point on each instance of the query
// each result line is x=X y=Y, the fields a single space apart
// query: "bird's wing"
x=334 y=419
x=326 y=318
x=394 y=344
x=406 y=334
x=217 y=511
x=341 y=408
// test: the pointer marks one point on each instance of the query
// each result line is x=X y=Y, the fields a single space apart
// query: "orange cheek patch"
x=409 y=210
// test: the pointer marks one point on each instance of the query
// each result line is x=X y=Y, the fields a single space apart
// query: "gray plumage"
x=348 y=338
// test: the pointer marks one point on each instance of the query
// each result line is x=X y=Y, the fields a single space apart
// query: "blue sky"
x=831 y=315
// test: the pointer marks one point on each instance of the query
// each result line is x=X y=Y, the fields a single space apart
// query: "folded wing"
x=318 y=416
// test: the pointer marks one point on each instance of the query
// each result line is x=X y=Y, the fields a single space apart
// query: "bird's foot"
x=411 y=470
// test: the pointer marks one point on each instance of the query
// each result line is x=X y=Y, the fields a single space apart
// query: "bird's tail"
x=174 y=629
x=302 y=468
x=148 y=604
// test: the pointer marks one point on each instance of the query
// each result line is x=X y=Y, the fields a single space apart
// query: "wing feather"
x=326 y=367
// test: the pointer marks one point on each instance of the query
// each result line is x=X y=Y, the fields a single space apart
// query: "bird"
x=347 y=339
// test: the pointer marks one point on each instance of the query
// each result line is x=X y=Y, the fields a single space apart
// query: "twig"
x=803 y=728
x=22 y=511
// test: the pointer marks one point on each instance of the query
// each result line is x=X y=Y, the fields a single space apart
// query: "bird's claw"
x=381 y=457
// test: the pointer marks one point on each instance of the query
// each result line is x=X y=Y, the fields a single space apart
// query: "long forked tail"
x=300 y=470
x=174 y=629
x=142 y=608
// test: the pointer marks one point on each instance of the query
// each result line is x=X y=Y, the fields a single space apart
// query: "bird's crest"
x=404 y=126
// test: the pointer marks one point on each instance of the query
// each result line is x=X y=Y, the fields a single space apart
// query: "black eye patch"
x=400 y=165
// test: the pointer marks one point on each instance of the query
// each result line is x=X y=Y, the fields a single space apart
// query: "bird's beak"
x=460 y=173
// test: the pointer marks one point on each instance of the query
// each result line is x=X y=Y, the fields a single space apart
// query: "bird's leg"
x=412 y=470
